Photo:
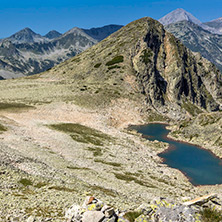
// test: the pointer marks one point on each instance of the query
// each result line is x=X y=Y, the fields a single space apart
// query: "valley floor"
x=43 y=170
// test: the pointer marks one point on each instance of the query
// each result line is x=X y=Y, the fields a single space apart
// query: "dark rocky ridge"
x=101 y=33
x=53 y=34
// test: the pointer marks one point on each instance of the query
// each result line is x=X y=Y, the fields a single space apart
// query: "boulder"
x=95 y=206
x=72 y=212
x=93 y=216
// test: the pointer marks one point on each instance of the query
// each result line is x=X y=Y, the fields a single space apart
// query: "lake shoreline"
x=165 y=138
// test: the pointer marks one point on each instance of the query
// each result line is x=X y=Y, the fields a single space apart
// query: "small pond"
x=199 y=165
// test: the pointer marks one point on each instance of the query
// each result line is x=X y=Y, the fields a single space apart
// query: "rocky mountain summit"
x=27 y=53
x=177 y=16
x=26 y=36
x=53 y=34
x=172 y=78
x=180 y=14
x=199 y=40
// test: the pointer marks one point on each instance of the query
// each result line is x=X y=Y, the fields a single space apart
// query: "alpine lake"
x=201 y=166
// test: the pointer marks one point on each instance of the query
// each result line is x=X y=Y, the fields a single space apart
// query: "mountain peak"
x=160 y=66
x=217 y=20
x=179 y=15
x=53 y=34
x=26 y=35
x=27 y=29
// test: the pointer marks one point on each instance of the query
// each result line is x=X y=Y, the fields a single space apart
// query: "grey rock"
x=72 y=213
x=111 y=219
x=93 y=216
x=31 y=219
x=109 y=212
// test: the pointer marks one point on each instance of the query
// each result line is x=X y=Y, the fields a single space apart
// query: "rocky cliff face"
x=169 y=75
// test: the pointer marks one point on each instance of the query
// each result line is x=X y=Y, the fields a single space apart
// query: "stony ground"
x=44 y=170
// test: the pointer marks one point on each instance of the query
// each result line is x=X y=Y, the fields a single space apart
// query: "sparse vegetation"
x=105 y=191
x=77 y=168
x=114 y=67
x=25 y=182
x=13 y=106
x=129 y=178
x=97 y=151
x=191 y=108
x=108 y=163
x=132 y=215
x=155 y=117
x=2 y=128
x=44 y=211
x=115 y=60
x=210 y=215
x=146 y=56
x=59 y=188
x=40 y=185
x=97 y=65
x=82 y=134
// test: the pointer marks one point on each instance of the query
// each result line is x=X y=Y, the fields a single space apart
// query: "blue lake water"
x=199 y=165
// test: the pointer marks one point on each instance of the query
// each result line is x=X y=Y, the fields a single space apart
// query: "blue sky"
x=45 y=15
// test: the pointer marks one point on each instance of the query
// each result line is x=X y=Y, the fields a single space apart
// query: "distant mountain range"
x=27 y=53
x=199 y=40
x=180 y=14
x=197 y=36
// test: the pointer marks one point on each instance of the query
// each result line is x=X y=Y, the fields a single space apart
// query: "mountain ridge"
x=26 y=52
x=182 y=15
x=198 y=84
x=199 y=40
